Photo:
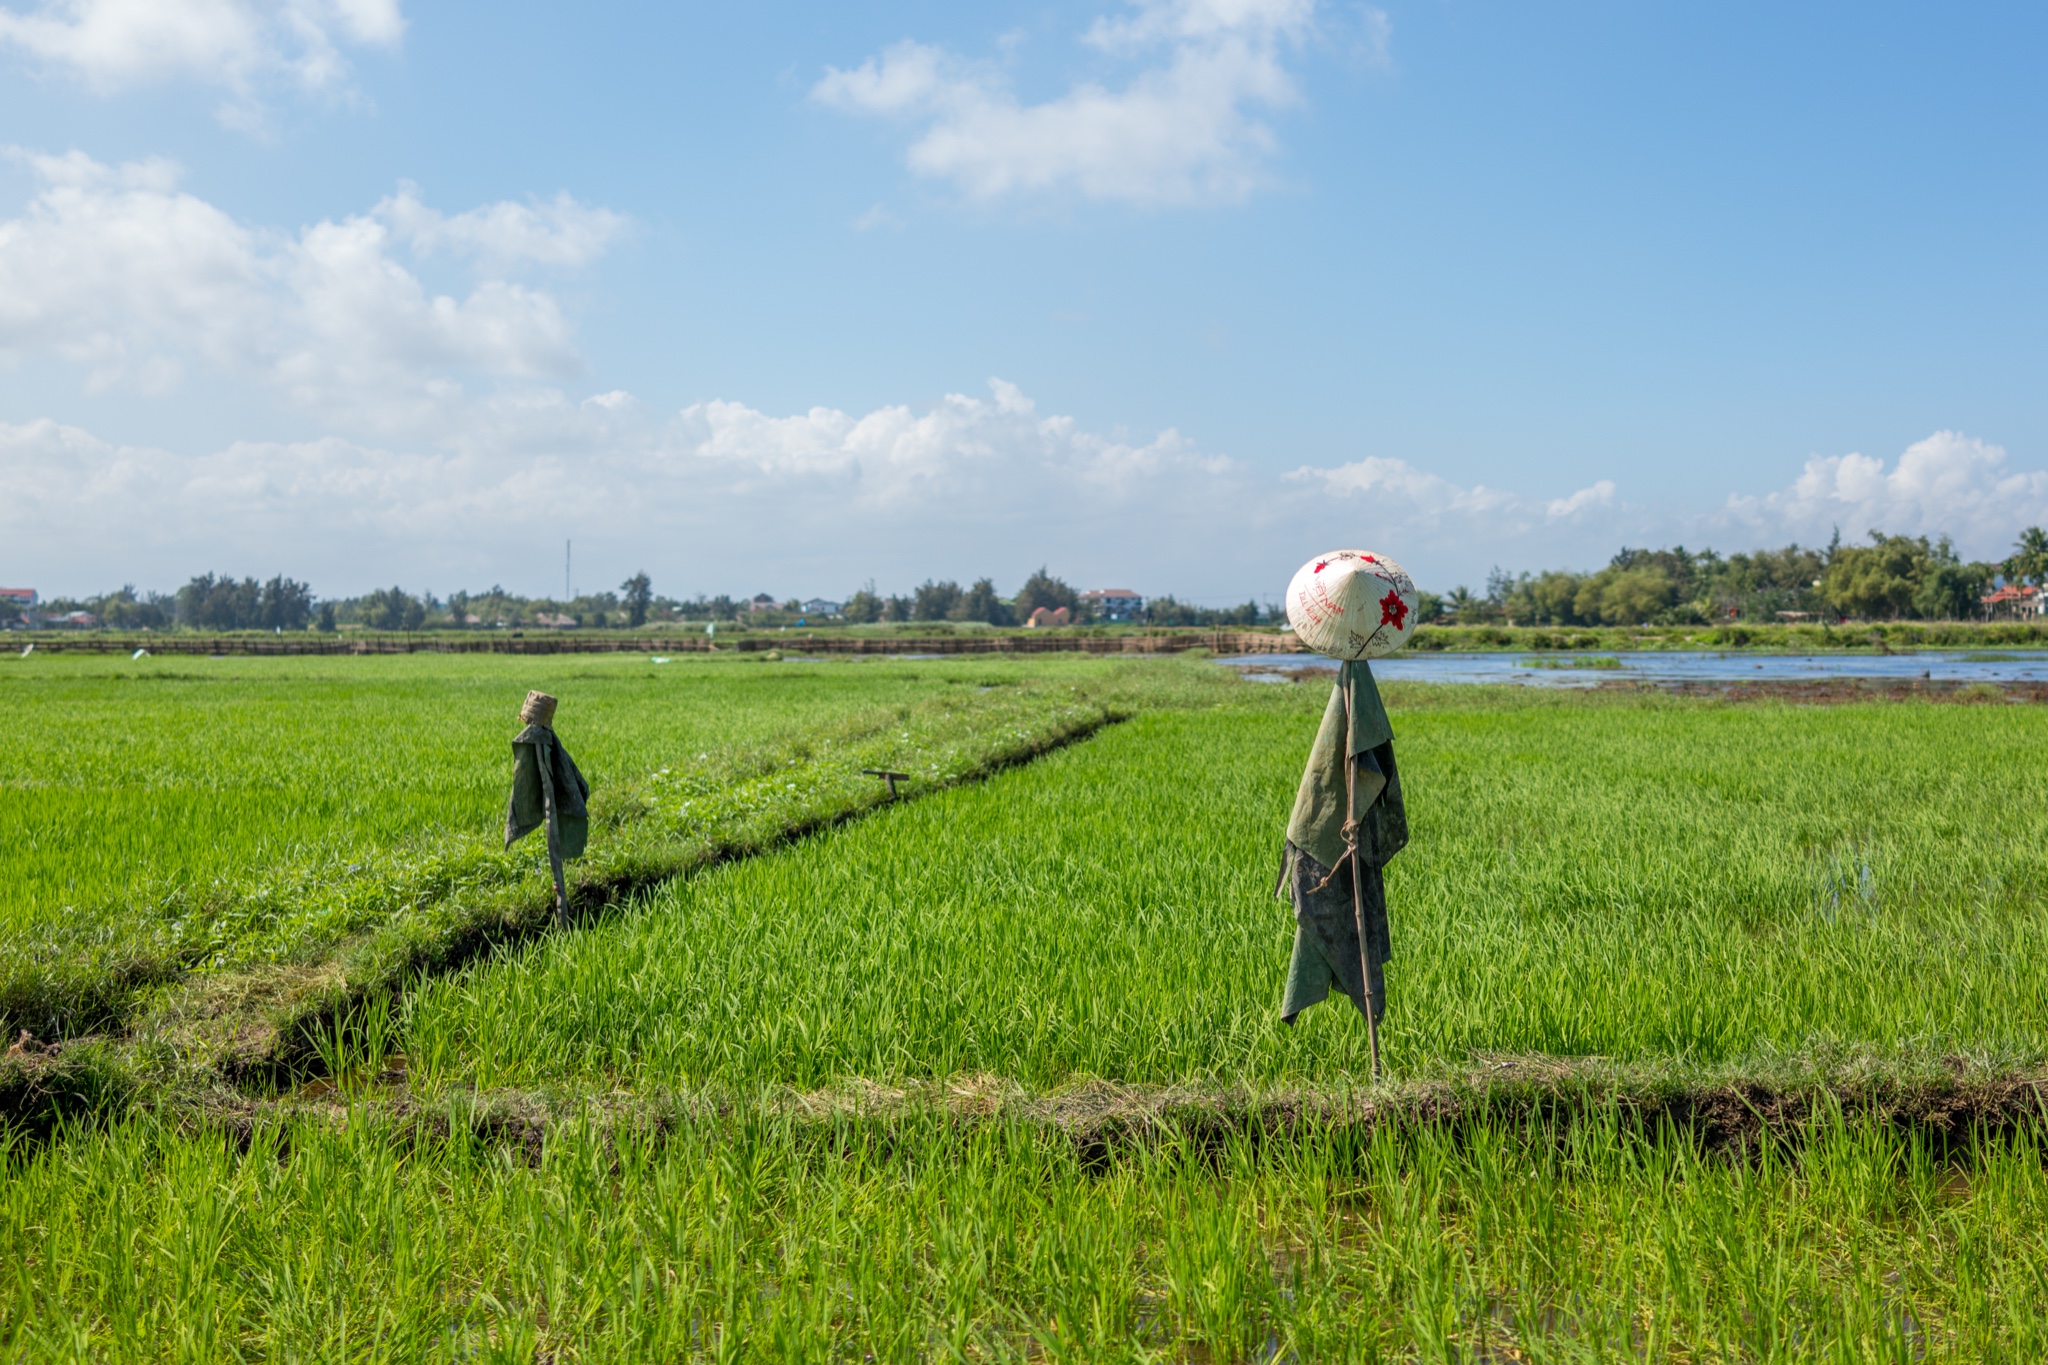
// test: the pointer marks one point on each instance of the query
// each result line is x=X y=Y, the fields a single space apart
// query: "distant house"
x=562 y=621
x=21 y=597
x=1114 y=604
x=2015 y=599
x=818 y=606
x=1049 y=616
x=77 y=620
x=761 y=602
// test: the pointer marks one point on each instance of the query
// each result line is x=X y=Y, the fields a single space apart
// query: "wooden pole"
x=1372 y=1025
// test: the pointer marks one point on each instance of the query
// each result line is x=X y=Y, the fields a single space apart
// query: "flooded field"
x=1589 y=669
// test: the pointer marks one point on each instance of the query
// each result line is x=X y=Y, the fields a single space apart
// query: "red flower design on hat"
x=1393 y=611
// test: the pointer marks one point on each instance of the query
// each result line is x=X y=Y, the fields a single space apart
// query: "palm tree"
x=2029 y=562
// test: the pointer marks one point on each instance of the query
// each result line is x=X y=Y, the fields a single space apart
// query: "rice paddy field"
x=1718 y=1026
x=143 y=777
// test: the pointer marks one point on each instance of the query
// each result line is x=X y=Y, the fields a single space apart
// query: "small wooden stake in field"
x=1372 y=1023
x=891 y=778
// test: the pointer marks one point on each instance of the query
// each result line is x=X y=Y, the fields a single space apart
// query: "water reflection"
x=1570 y=669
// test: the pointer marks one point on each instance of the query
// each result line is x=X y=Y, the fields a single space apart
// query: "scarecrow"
x=547 y=790
x=1348 y=818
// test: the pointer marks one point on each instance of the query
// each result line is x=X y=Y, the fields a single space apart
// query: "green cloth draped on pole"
x=547 y=791
x=1315 y=871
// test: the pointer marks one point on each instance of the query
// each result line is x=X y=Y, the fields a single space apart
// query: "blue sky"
x=1169 y=295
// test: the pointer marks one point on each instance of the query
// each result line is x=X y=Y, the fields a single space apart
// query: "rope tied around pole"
x=1349 y=829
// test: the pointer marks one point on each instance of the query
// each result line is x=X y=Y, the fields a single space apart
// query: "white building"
x=1114 y=604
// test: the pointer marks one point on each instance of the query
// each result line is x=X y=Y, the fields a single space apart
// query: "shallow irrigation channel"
x=269 y=1026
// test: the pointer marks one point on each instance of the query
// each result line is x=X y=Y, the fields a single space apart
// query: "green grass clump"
x=1599 y=661
x=772 y=1238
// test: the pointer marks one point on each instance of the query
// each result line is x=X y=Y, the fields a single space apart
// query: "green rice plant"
x=922 y=1237
x=267 y=814
x=352 y=1047
x=138 y=779
x=1701 y=891
x=1718 y=889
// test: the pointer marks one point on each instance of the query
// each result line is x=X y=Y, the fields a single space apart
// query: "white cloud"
x=1406 y=496
x=1948 y=484
x=722 y=496
x=237 y=45
x=875 y=217
x=116 y=269
x=1446 y=532
x=1599 y=493
x=560 y=232
x=997 y=450
x=1200 y=20
x=1180 y=131
x=985 y=482
x=112 y=265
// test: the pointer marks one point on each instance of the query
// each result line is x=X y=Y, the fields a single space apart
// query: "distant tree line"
x=1893 y=577
x=980 y=602
x=206 y=603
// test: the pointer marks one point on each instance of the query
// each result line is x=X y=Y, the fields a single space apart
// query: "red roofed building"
x=21 y=597
x=2015 y=599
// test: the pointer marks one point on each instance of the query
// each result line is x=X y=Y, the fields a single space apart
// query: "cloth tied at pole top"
x=546 y=784
x=539 y=709
x=1352 y=605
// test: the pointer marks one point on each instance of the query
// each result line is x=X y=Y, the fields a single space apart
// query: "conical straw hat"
x=1352 y=604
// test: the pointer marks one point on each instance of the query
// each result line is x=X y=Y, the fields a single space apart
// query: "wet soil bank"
x=1543 y=1099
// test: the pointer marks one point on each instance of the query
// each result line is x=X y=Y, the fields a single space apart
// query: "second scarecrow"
x=1348 y=818
x=547 y=792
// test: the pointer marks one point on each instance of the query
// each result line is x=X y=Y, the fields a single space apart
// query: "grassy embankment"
x=995 y=1073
